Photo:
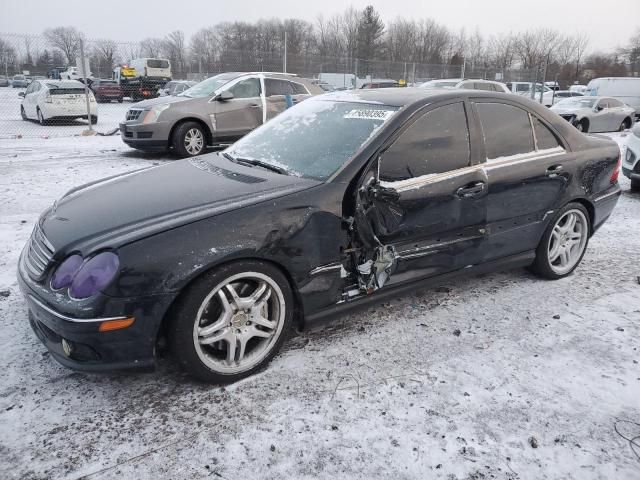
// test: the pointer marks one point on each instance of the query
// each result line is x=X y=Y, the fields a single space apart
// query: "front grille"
x=134 y=114
x=39 y=254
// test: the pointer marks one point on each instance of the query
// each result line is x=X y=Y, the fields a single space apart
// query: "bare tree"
x=67 y=40
x=151 y=47
x=174 y=48
x=105 y=52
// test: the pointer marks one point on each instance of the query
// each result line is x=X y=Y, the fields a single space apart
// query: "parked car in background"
x=578 y=88
x=381 y=84
x=595 y=114
x=333 y=204
x=19 y=81
x=107 y=90
x=4 y=81
x=174 y=87
x=487 y=85
x=631 y=163
x=524 y=88
x=441 y=83
x=46 y=100
x=625 y=89
x=214 y=112
x=553 y=97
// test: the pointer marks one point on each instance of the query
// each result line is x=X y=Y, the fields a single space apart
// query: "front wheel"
x=232 y=321
x=582 y=126
x=23 y=114
x=563 y=243
x=635 y=185
x=189 y=139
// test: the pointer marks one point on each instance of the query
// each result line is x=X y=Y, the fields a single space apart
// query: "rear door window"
x=506 y=128
x=435 y=143
x=277 y=87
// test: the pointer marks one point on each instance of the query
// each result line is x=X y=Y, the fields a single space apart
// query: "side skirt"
x=507 y=263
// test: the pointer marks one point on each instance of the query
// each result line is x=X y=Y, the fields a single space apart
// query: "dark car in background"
x=215 y=112
x=175 y=87
x=346 y=198
x=107 y=90
x=19 y=81
x=381 y=84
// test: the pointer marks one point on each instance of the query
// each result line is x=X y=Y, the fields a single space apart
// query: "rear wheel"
x=564 y=242
x=232 y=321
x=626 y=124
x=41 y=118
x=23 y=114
x=120 y=100
x=635 y=185
x=189 y=139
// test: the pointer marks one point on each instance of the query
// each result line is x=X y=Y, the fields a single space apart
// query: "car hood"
x=159 y=101
x=117 y=210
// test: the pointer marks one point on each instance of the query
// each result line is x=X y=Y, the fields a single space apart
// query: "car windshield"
x=315 y=138
x=208 y=86
x=577 y=102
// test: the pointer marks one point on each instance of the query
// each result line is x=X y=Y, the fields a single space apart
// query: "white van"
x=152 y=68
x=625 y=89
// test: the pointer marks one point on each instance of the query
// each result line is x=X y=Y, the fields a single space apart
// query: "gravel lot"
x=499 y=376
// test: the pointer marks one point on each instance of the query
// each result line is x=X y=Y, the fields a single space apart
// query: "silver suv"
x=215 y=112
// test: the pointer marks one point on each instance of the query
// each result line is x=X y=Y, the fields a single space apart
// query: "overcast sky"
x=609 y=23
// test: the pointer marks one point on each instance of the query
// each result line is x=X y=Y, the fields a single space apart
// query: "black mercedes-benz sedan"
x=344 y=198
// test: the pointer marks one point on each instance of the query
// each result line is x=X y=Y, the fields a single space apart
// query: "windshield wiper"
x=256 y=163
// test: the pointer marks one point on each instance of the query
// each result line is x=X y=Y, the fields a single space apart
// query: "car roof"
x=406 y=96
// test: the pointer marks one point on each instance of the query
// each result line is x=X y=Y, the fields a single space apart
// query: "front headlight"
x=86 y=278
x=153 y=114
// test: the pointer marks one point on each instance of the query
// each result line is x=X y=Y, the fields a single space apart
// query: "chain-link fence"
x=120 y=73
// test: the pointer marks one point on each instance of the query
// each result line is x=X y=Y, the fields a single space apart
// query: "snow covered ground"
x=456 y=382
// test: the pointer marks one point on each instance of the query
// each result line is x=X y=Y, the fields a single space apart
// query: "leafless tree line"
x=354 y=40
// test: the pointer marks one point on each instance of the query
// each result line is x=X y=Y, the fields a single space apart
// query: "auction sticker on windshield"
x=369 y=114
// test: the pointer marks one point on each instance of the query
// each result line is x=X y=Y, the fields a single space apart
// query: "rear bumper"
x=91 y=350
x=604 y=204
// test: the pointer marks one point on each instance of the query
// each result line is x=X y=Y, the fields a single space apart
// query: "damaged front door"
x=424 y=211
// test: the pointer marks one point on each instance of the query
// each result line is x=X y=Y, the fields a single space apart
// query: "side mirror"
x=21 y=94
x=224 y=96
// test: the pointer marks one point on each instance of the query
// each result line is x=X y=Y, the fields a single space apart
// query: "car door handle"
x=554 y=170
x=470 y=190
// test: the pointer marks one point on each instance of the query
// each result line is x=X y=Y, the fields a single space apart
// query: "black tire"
x=635 y=185
x=582 y=126
x=541 y=265
x=120 y=100
x=626 y=124
x=23 y=114
x=94 y=119
x=41 y=120
x=180 y=138
x=184 y=315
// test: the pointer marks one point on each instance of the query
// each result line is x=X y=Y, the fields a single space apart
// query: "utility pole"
x=284 y=59
x=86 y=84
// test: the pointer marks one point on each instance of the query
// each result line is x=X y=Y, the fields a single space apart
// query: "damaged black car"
x=343 y=199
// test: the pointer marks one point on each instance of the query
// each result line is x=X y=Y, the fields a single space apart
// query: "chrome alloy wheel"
x=194 y=141
x=567 y=241
x=239 y=322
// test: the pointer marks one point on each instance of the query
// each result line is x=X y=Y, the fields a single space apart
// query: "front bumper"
x=151 y=137
x=91 y=350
